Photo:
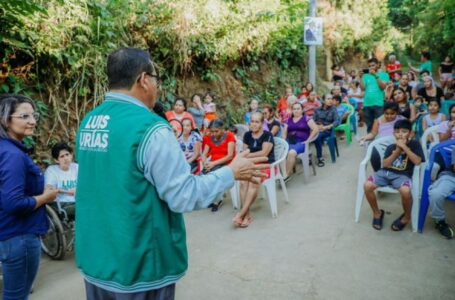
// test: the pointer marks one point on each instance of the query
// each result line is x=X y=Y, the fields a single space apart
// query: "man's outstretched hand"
x=248 y=169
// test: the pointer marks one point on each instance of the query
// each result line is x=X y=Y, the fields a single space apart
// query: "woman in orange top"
x=218 y=150
x=179 y=113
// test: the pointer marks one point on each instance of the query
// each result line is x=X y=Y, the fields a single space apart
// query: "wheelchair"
x=59 y=239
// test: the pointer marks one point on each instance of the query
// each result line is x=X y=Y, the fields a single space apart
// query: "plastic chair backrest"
x=280 y=149
x=241 y=130
x=445 y=105
x=433 y=131
x=380 y=145
x=444 y=149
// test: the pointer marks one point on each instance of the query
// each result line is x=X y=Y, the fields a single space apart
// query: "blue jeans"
x=320 y=141
x=20 y=257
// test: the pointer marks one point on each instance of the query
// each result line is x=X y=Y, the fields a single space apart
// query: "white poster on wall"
x=312 y=34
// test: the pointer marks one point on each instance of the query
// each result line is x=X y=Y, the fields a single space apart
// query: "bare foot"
x=237 y=220
x=246 y=221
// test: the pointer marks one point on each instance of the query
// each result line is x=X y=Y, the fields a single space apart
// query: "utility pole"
x=312 y=49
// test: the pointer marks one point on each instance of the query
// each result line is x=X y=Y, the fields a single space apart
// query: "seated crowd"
x=389 y=102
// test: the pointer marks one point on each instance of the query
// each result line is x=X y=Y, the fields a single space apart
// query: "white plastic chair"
x=305 y=158
x=281 y=149
x=433 y=132
x=380 y=145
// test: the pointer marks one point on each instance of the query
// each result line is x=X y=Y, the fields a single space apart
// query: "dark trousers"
x=20 y=258
x=94 y=292
x=371 y=113
x=319 y=142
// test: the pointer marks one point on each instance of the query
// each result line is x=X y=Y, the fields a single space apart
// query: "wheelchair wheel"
x=54 y=242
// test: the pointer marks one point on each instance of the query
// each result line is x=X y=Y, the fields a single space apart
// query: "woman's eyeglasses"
x=27 y=117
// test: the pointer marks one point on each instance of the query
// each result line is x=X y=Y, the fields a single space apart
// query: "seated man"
x=398 y=166
x=63 y=176
x=326 y=118
x=443 y=187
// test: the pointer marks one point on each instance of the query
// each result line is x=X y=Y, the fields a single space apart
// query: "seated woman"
x=286 y=113
x=218 y=149
x=190 y=142
x=447 y=128
x=63 y=176
x=311 y=104
x=298 y=131
x=326 y=118
x=197 y=111
x=271 y=124
x=430 y=90
x=179 y=113
x=260 y=143
x=405 y=109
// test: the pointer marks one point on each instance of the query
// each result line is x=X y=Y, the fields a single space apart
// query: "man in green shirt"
x=134 y=185
x=426 y=65
x=373 y=83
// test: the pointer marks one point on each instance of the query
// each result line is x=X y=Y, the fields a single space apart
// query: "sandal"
x=377 y=223
x=397 y=225
x=321 y=163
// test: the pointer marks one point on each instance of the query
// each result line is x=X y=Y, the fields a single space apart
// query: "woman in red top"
x=179 y=113
x=218 y=150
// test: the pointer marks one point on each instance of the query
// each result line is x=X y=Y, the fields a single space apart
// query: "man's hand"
x=373 y=71
x=248 y=169
x=208 y=165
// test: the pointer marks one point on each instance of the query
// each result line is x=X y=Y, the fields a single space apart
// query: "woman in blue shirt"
x=22 y=198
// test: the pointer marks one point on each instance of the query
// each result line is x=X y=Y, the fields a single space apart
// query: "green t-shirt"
x=426 y=66
x=374 y=95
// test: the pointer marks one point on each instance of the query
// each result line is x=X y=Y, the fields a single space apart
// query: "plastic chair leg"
x=360 y=192
x=415 y=209
x=331 y=144
x=305 y=164
x=283 y=188
x=271 y=195
x=424 y=203
x=235 y=197
x=348 y=135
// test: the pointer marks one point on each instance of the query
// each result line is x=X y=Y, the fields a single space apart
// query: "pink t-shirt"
x=386 y=128
x=444 y=126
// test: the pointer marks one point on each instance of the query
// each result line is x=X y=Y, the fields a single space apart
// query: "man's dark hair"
x=125 y=65
x=403 y=124
x=337 y=98
x=391 y=105
x=55 y=151
x=373 y=60
x=426 y=55
x=432 y=99
x=194 y=95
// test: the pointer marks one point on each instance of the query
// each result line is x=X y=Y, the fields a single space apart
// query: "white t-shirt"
x=62 y=180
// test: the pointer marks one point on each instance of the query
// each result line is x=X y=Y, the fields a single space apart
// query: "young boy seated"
x=443 y=187
x=342 y=111
x=398 y=166
x=63 y=176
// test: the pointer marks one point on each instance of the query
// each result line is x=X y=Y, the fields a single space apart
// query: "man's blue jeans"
x=20 y=257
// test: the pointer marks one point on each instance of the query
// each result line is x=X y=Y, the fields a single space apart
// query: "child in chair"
x=398 y=167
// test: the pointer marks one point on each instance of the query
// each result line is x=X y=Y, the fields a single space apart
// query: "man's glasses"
x=27 y=117
x=156 y=76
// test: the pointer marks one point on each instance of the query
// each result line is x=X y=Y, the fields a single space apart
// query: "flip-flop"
x=397 y=225
x=377 y=223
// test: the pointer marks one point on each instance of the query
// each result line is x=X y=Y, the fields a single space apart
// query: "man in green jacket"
x=133 y=186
